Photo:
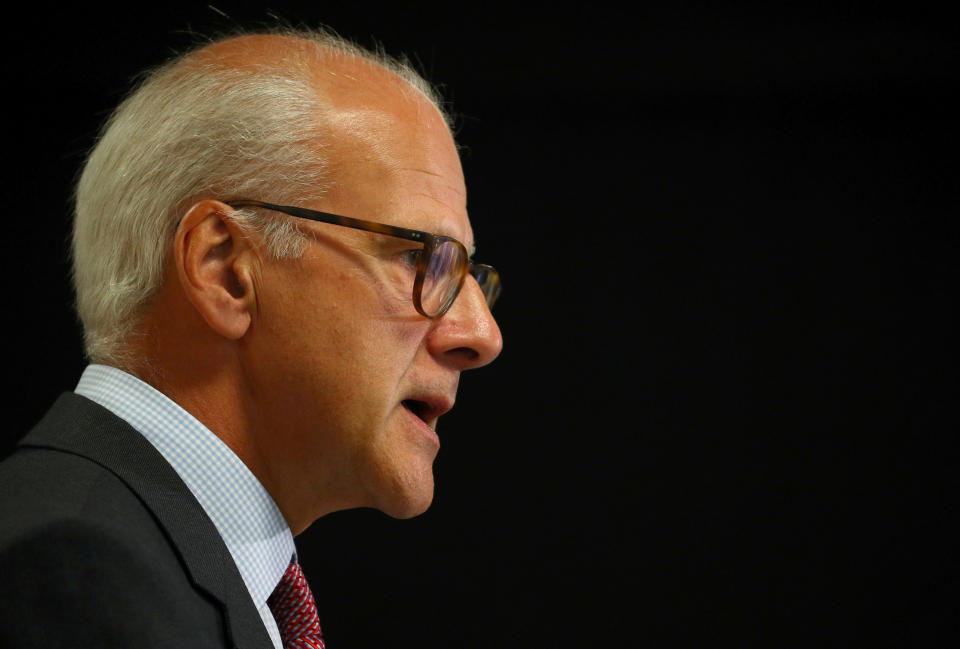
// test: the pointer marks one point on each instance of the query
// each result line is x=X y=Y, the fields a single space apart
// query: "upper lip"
x=428 y=407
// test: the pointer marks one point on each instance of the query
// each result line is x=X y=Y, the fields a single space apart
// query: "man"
x=271 y=260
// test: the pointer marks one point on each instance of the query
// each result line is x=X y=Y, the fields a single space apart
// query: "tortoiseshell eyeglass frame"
x=487 y=277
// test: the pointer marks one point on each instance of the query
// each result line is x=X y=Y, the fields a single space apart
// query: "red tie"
x=293 y=609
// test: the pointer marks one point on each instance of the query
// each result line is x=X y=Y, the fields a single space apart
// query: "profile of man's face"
x=349 y=377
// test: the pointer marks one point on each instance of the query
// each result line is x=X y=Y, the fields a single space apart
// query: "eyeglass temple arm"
x=337 y=219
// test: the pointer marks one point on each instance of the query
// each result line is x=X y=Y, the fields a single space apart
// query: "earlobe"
x=212 y=257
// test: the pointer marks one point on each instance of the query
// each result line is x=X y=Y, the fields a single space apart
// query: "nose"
x=466 y=336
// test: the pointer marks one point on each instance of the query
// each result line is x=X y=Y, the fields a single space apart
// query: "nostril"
x=468 y=353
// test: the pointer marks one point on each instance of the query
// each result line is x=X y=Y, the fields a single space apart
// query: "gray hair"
x=191 y=130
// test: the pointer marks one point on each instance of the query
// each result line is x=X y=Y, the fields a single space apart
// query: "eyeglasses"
x=442 y=265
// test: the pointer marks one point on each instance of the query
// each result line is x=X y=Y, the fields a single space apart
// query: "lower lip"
x=422 y=425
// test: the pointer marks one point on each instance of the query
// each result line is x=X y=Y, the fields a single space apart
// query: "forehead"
x=393 y=160
x=389 y=152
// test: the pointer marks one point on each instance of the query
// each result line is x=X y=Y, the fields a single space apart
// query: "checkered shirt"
x=248 y=520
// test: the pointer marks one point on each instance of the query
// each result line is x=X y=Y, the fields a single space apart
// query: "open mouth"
x=419 y=408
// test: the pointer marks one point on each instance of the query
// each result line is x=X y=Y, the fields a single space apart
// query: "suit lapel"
x=77 y=425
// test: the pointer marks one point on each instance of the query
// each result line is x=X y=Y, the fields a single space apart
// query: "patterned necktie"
x=293 y=609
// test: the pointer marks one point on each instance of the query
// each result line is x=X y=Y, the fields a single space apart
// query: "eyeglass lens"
x=442 y=277
x=489 y=281
x=444 y=274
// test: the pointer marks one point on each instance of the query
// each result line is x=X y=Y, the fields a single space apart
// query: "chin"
x=407 y=497
x=409 y=511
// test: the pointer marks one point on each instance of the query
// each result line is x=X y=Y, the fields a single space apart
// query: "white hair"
x=191 y=130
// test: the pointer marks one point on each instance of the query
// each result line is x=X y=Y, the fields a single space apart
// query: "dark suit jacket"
x=102 y=545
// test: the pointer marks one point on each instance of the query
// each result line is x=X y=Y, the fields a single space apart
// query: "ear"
x=214 y=263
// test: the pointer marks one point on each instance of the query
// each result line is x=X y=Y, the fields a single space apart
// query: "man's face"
x=346 y=378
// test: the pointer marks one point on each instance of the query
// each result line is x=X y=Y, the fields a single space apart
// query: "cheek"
x=351 y=336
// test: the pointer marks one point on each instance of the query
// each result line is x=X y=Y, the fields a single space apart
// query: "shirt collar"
x=247 y=518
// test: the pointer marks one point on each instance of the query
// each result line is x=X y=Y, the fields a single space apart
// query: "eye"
x=411 y=257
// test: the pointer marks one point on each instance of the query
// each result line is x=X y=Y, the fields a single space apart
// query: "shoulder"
x=41 y=486
x=85 y=563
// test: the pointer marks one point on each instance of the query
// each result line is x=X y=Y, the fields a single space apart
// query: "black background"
x=728 y=242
